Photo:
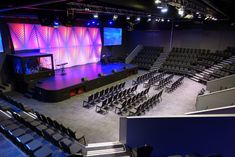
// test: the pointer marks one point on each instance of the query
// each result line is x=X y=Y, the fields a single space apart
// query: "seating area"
x=113 y=100
x=144 y=77
x=188 y=61
x=142 y=107
x=163 y=82
x=154 y=80
x=97 y=97
x=147 y=57
x=36 y=134
x=171 y=87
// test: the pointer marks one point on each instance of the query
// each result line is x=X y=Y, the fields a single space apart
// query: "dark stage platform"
x=60 y=87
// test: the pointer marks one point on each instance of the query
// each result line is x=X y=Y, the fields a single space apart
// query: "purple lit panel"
x=74 y=45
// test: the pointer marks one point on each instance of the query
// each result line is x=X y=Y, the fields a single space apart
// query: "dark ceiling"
x=224 y=8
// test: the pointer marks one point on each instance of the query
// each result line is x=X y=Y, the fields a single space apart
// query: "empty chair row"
x=100 y=95
x=164 y=82
x=174 y=85
x=145 y=106
x=153 y=80
x=144 y=77
x=115 y=99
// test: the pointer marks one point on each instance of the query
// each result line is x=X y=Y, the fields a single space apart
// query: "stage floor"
x=74 y=75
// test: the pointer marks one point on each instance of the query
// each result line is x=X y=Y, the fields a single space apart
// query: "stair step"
x=104 y=152
x=104 y=145
x=194 y=79
x=199 y=75
x=207 y=70
x=28 y=95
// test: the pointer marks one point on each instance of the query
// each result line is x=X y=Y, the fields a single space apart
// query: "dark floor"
x=105 y=128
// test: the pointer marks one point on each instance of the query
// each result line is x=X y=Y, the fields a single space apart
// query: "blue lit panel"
x=112 y=36
x=1 y=48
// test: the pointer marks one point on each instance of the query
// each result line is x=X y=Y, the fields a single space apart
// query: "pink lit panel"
x=74 y=45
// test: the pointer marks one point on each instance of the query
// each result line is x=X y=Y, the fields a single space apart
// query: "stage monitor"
x=112 y=36
x=1 y=47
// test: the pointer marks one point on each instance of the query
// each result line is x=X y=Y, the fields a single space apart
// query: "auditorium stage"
x=60 y=87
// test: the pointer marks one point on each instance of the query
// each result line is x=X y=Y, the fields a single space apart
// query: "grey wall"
x=182 y=135
x=200 y=38
x=221 y=110
x=221 y=83
x=216 y=99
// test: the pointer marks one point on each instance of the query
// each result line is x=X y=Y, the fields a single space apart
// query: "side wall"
x=216 y=99
x=182 y=135
x=221 y=83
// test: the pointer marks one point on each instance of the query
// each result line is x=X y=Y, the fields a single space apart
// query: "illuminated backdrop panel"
x=1 y=48
x=74 y=45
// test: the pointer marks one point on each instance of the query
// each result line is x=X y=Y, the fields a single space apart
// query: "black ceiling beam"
x=31 y=5
x=207 y=2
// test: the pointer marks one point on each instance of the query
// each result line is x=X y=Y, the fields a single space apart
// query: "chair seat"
x=34 y=145
x=25 y=138
x=43 y=152
x=18 y=132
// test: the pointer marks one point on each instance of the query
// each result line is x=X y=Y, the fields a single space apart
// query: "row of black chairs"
x=24 y=138
x=16 y=103
x=113 y=100
x=164 y=82
x=131 y=102
x=50 y=129
x=146 y=105
x=153 y=80
x=101 y=95
x=174 y=85
x=60 y=127
x=144 y=77
x=62 y=138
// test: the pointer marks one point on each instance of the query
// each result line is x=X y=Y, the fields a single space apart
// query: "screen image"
x=1 y=48
x=112 y=36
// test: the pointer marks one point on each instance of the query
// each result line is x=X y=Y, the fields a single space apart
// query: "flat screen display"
x=1 y=48
x=112 y=36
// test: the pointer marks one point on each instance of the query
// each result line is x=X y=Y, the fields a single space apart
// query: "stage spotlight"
x=128 y=18
x=162 y=20
x=88 y=24
x=164 y=9
x=56 y=23
x=110 y=22
x=168 y=20
x=181 y=11
x=96 y=16
x=115 y=17
x=158 y=1
x=149 y=20
x=98 y=24
x=138 y=19
x=93 y=22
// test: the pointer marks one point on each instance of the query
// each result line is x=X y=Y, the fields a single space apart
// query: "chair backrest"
x=104 y=102
x=50 y=121
x=56 y=124
x=96 y=95
x=90 y=98
x=106 y=91
x=101 y=93
x=110 y=99
x=71 y=133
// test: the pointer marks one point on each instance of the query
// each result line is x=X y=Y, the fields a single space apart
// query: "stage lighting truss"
x=74 y=7
x=190 y=10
